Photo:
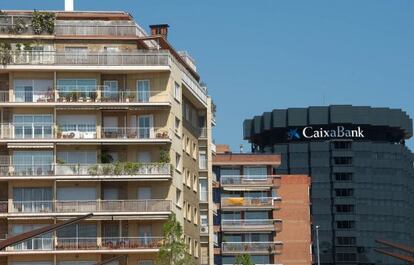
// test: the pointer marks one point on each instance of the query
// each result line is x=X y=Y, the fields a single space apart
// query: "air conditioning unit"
x=204 y=229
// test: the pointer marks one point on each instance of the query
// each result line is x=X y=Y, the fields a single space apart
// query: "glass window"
x=177 y=91
x=262 y=215
x=255 y=172
x=32 y=126
x=32 y=162
x=143 y=90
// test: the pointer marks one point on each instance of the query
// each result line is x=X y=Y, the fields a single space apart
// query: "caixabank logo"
x=339 y=131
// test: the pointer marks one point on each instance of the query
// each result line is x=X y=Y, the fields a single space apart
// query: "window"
x=195 y=216
x=145 y=262
x=194 y=150
x=178 y=197
x=344 y=192
x=187 y=145
x=342 y=145
x=196 y=248
x=178 y=163
x=188 y=178
x=345 y=224
x=32 y=162
x=255 y=172
x=203 y=190
x=110 y=91
x=33 y=90
x=143 y=90
x=144 y=193
x=185 y=210
x=33 y=126
x=202 y=159
x=32 y=199
x=343 y=160
x=343 y=177
x=195 y=183
x=189 y=245
x=177 y=124
x=189 y=213
x=73 y=90
x=344 y=208
x=145 y=126
x=203 y=219
x=177 y=91
x=347 y=257
x=346 y=241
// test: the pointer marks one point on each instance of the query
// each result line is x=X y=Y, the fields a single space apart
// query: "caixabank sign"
x=331 y=132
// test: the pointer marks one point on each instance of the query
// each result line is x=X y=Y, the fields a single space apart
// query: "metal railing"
x=248 y=223
x=135 y=133
x=195 y=87
x=248 y=202
x=75 y=206
x=7 y=168
x=246 y=180
x=88 y=243
x=252 y=247
x=64 y=28
x=89 y=58
x=85 y=95
x=16 y=24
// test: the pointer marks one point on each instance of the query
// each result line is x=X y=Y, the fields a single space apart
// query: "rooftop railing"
x=252 y=247
x=85 y=206
x=89 y=58
x=79 y=29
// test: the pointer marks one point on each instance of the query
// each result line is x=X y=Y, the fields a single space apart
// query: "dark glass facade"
x=362 y=174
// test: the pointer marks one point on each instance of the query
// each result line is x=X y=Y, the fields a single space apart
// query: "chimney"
x=69 y=5
x=159 y=29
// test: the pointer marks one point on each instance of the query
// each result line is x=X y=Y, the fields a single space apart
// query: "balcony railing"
x=252 y=247
x=92 y=94
x=8 y=168
x=246 y=224
x=249 y=180
x=86 y=206
x=88 y=243
x=135 y=133
x=248 y=202
x=47 y=131
x=64 y=28
x=89 y=58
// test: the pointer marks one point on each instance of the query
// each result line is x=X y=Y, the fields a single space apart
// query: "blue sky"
x=259 y=55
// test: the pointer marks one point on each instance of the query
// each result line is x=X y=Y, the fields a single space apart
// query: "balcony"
x=117 y=170
x=259 y=203
x=252 y=225
x=95 y=95
x=50 y=132
x=249 y=182
x=252 y=247
x=86 y=58
x=86 y=245
x=99 y=207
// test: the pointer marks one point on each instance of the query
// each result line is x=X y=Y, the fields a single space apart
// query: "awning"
x=30 y=145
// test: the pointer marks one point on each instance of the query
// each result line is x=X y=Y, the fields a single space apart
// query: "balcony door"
x=32 y=200
x=32 y=163
x=43 y=242
x=145 y=234
x=144 y=193
x=110 y=90
x=143 y=91
x=111 y=55
x=145 y=126
x=33 y=90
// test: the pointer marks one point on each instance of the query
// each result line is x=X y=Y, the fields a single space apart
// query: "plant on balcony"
x=118 y=168
x=5 y=53
x=43 y=22
x=107 y=169
x=244 y=259
x=18 y=27
x=131 y=168
x=164 y=156
x=173 y=250
x=93 y=170
x=106 y=158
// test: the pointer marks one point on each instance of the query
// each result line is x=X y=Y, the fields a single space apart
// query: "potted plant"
x=43 y=22
x=5 y=53
x=93 y=170
x=58 y=132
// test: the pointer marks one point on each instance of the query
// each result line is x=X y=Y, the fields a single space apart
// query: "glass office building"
x=362 y=174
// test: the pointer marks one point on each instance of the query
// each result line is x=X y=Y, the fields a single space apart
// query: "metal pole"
x=317 y=244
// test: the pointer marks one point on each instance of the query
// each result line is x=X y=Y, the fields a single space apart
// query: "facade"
x=253 y=217
x=98 y=117
x=362 y=174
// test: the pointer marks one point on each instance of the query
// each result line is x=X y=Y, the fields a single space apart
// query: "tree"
x=244 y=259
x=173 y=250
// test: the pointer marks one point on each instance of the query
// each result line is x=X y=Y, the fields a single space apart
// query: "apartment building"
x=260 y=213
x=97 y=116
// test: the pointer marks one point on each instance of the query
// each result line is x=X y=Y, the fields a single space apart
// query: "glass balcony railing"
x=87 y=206
x=252 y=224
x=252 y=247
